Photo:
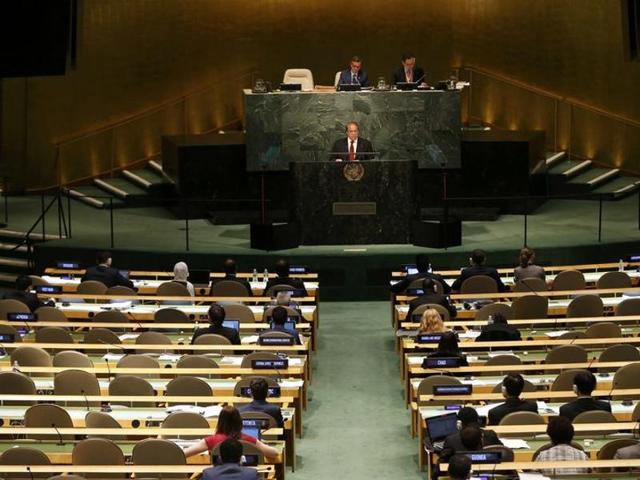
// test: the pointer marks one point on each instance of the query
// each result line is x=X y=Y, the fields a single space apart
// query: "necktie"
x=353 y=79
x=352 y=152
x=409 y=74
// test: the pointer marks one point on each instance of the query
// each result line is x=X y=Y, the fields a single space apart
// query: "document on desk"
x=544 y=408
x=250 y=339
x=114 y=357
x=532 y=476
x=186 y=408
x=128 y=336
x=501 y=352
x=556 y=333
x=515 y=443
x=169 y=357
x=470 y=334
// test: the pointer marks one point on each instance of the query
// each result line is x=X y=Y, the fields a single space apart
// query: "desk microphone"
x=112 y=345
x=60 y=442
x=30 y=472
x=86 y=400
x=614 y=384
x=420 y=79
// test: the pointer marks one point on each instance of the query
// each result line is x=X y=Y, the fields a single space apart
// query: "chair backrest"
x=131 y=386
x=521 y=418
x=229 y=288
x=76 y=382
x=50 y=314
x=102 y=335
x=273 y=290
x=504 y=360
x=247 y=359
x=67 y=477
x=506 y=454
x=620 y=353
x=72 y=358
x=425 y=387
x=635 y=415
x=444 y=313
x=585 y=306
x=566 y=354
x=211 y=339
x=121 y=290
x=53 y=335
x=492 y=309
x=245 y=382
x=570 y=335
x=247 y=449
x=528 y=387
x=172 y=289
x=628 y=306
x=27 y=356
x=92 y=287
x=614 y=280
x=98 y=451
x=95 y=419
x=115 y=316
x=8 y=329
x=153 y=338
x=564 y=381
x=156 y=451
x=530 y=306
x=531 y=284
x=10 y=305
x=595 y=416
x=303 y=76
x=627 y=376
x=185 y=420
x=609 y=449
x=479 y=284
x=604 y=330
x=17 y=383
x=265 y=418
x=170 y=315
x=188 y=386
x=24 y=456
x=417 y=283
x=46 y=415
x=569 y=280
x=291 y=312
x=238 y=311
x=197 y=361
x=138 y=361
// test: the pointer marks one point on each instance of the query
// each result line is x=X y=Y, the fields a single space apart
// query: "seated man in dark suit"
x=229 y=268
x=424 y=271
x=23 y=294
x=583 y=384
x=498 y=330
x=353 y=147
x=283 y=278
x=467 y=417
x=105 y=274
x=278 y=319
x=430 y=296
x=259 y=392
x=512 y=386
x=408 y=72
x=230 y=469
x=478 y=267
x=354 y=75
x=216 y=317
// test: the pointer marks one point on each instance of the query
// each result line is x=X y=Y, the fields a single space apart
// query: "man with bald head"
x=352 y=148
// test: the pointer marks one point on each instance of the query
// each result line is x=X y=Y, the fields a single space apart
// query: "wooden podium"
x=369 y=202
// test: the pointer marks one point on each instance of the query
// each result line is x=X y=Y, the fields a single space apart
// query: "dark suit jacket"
x=230 y=333
x=572 y=409
x=399 y=77
x=242 y=281
x=266 y=407
x=498 y=332
x=432 y=298
x=403 y=284
x=342 y=145
x=511 y=405
x=453 y=443
x=230 y=471
x=31 y=300
x=294 y=282
x=478 y=270
x=345 y=78
x=107 y=275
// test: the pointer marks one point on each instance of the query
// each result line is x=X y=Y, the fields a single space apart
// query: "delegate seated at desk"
x=425 y=270
x=408 y=72
x=259 y=392
x=477 y=260
x=283 y=278
x=512 y=387
x=430 y=296
x=230 y=468
x=352 y=148
x=103 y=272
x=22 y=293
x=561 y=433
x=468 y=417
x=230 y=274
x=499 y=330
x=354 y=75
x=583 y=384
x=216 y=317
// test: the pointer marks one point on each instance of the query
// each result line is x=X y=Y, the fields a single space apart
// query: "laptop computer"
x=200 y=278
x=409 y=268
x=124 y=273
x=440 y=427
x=230 y=323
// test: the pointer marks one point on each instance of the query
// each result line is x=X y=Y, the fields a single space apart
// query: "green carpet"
x=356 y=426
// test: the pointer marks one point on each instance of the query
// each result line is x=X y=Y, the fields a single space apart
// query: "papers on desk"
x=118 y=305
x=249 y=339
x=128 y=336
x=210 y=411
x=532 y=476
x=556 y=333
x=544 y=408
x=515 y=443
x=471 y=334
x=114 y=357
x=169 y=357
x=498 y=353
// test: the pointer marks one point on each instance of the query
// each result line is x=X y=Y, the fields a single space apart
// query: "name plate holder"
x=279 y=364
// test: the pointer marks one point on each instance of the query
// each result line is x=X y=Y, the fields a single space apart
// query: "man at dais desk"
x=352 y=148
x=354 y=75
x=408 y=72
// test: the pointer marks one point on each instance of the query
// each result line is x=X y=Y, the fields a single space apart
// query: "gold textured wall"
x=138 y=59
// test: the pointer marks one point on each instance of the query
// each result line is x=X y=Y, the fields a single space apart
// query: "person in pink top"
x=229 y=426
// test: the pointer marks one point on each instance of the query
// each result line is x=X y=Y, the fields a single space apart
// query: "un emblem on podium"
x=353 y=171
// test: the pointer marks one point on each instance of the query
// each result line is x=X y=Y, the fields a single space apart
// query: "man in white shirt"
x=560 y=431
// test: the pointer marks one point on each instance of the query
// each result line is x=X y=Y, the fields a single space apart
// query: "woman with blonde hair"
x=431 y=322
